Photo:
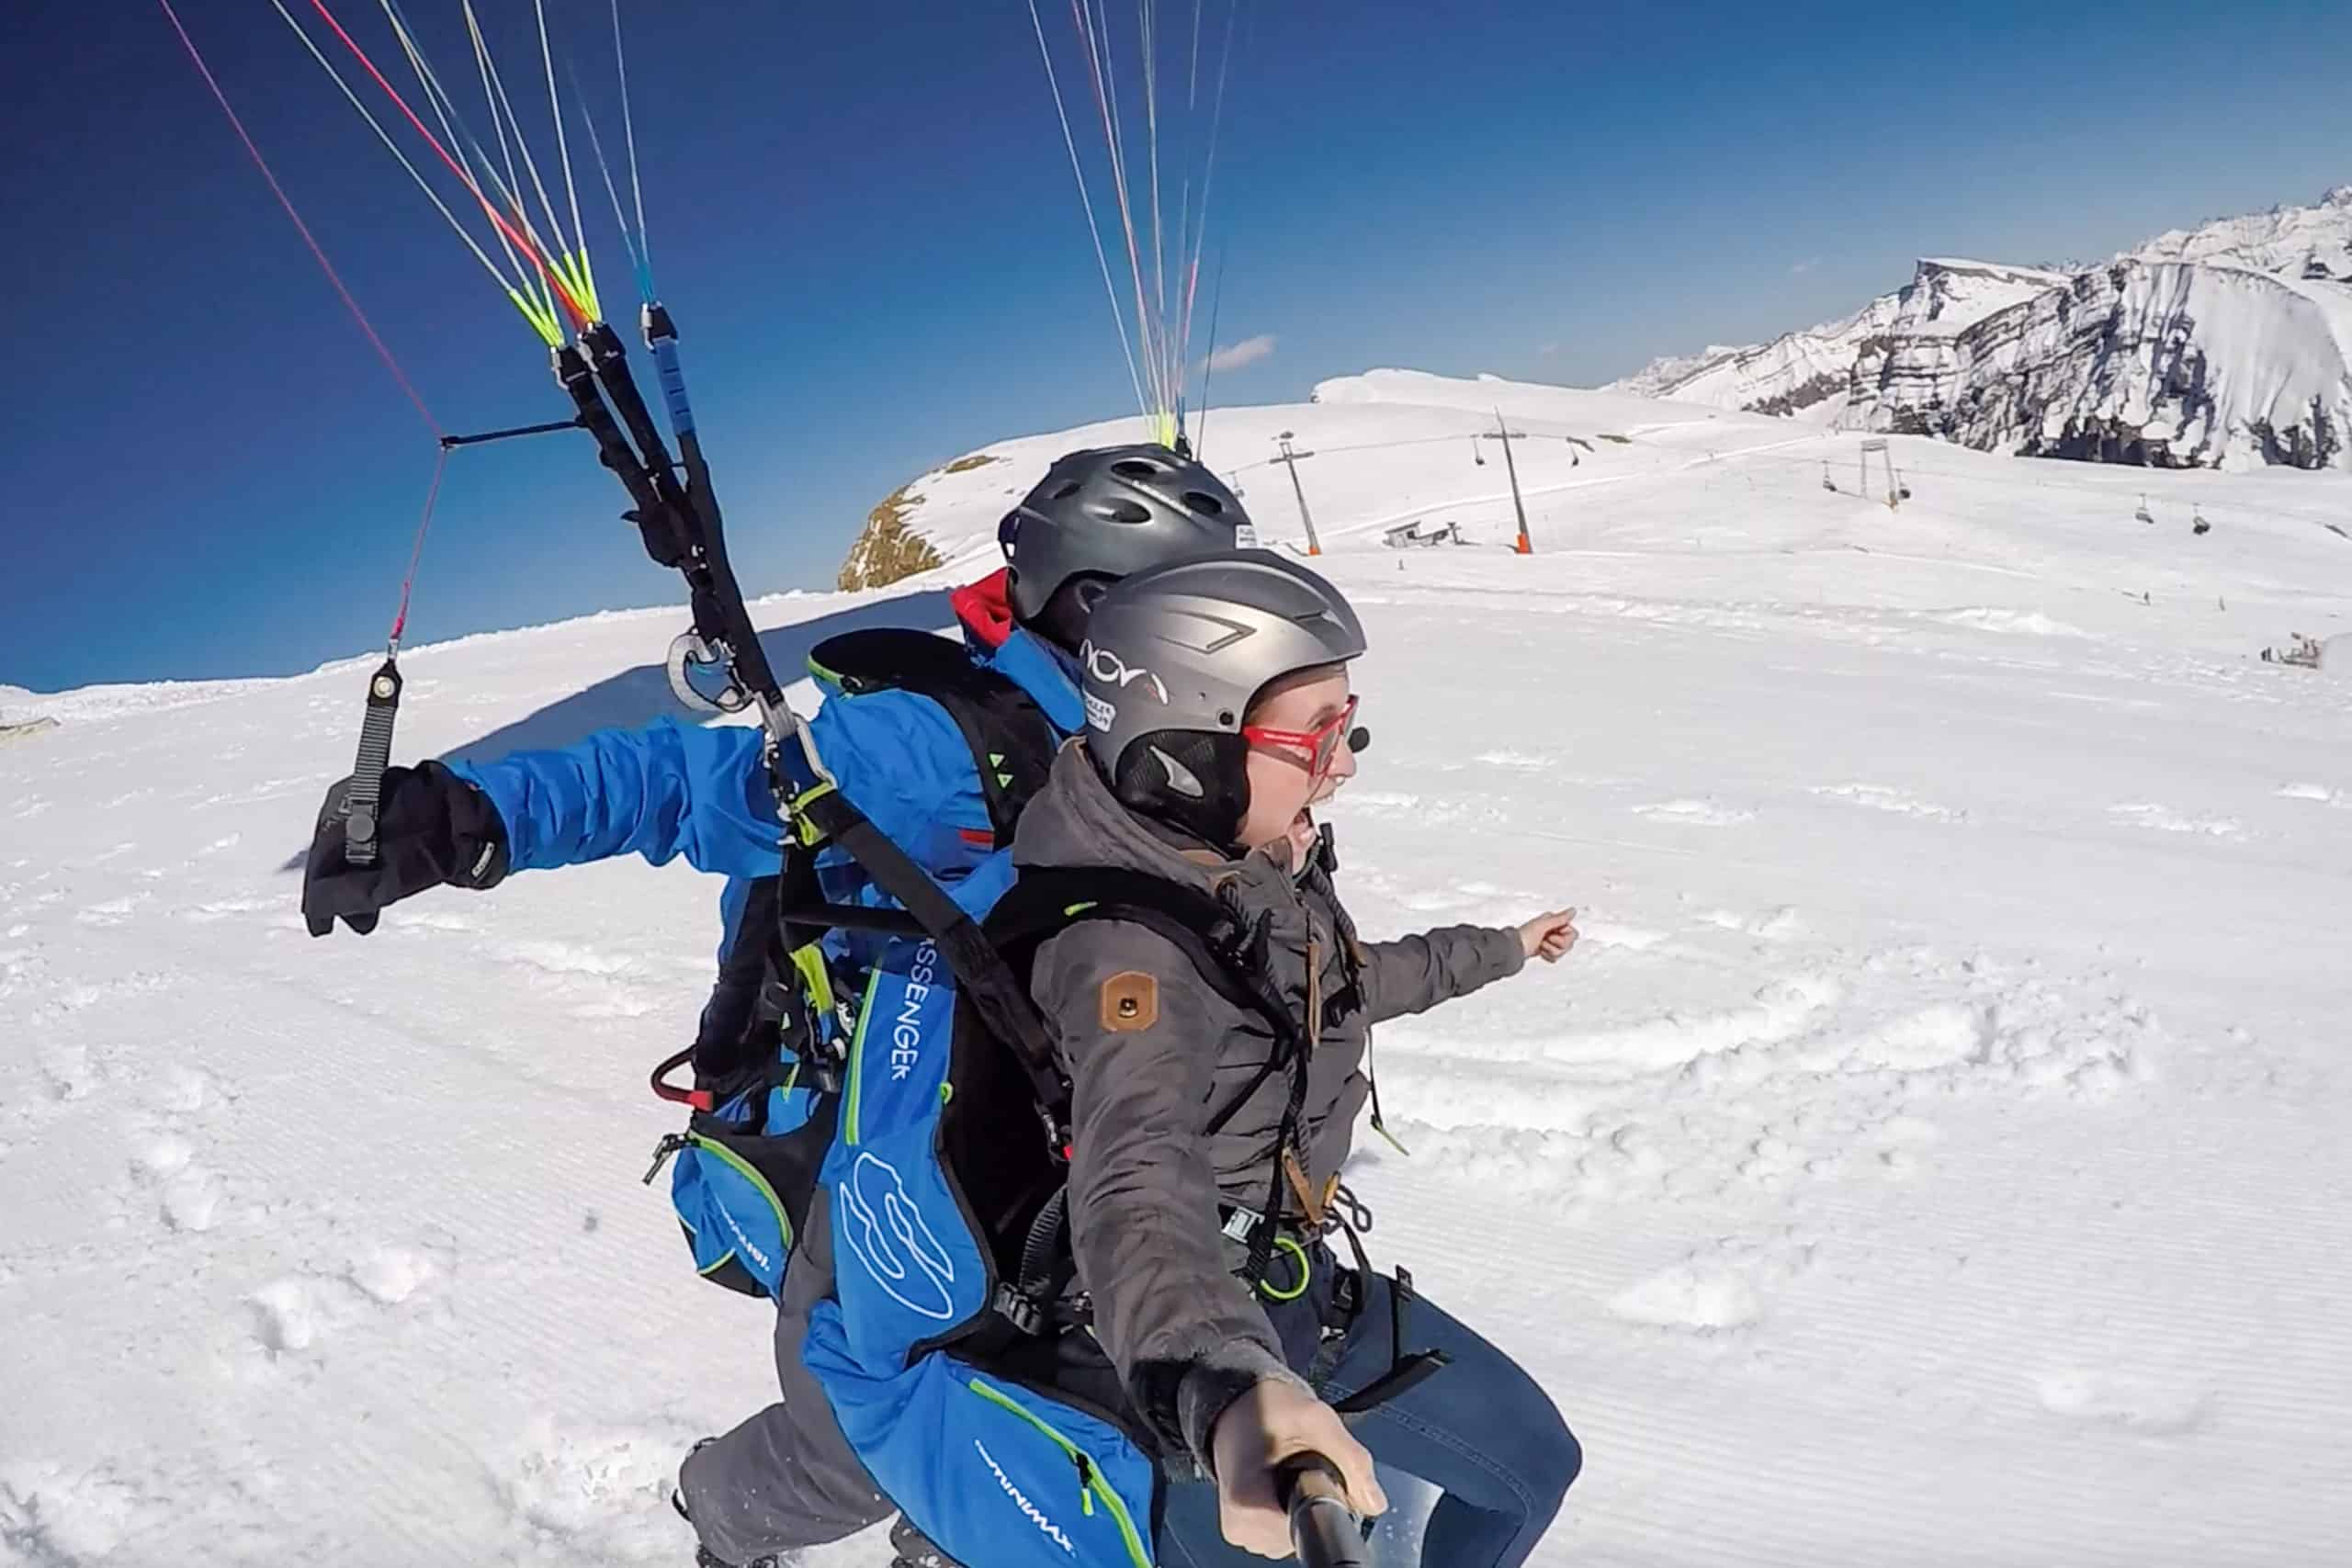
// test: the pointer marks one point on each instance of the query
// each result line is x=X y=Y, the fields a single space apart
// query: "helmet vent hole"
x=1205 y=505
x=1129 y=512
x=1134 y=469
x=1067 y=491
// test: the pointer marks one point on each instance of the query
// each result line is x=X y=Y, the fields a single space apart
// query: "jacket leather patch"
x=1130 y=1003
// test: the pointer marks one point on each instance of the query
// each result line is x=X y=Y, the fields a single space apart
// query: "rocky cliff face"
x=2229 y=344
x=886 y=548
x=1917 y=357
x=889 y=547
x=2166 y=364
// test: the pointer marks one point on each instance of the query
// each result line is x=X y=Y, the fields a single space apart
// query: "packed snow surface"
x=1933 y=1154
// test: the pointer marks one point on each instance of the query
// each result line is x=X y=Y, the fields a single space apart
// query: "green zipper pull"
x=1085 y=1482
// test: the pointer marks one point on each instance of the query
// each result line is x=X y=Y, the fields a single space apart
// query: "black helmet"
x=1114 y=510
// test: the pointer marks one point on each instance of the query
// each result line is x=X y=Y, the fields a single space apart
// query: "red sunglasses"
x=1320 y=744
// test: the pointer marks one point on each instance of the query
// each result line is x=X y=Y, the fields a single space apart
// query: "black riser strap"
x=365 y=797
x=695 y=521
x=610 y=361
x=1409 y=1373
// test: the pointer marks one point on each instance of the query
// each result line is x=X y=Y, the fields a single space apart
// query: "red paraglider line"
x=302 y=228
x=579 y=314
x=416 y=550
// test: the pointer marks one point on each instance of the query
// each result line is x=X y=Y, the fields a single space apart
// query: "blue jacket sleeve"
x=663 y=791
x=671 y=789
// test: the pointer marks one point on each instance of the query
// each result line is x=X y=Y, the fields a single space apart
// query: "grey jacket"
x=1153 y=1052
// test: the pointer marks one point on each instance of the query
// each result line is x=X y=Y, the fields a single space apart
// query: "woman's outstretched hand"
x=1271 y=1423
x=1549 y=937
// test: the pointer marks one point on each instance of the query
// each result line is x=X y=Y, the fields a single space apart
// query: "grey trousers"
x=786 y=1478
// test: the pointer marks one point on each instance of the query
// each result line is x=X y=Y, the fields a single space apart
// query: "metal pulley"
x=689 y=653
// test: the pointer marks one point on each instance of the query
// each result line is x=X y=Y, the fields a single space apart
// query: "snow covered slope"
x=2221 y=346
x=1934 y=1154
x=1403 y=440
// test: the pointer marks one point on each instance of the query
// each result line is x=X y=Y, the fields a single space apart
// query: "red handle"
x=694 y=1099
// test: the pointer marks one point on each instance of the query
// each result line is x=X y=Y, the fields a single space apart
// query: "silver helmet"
x=1173 y=657
x=1101 y=514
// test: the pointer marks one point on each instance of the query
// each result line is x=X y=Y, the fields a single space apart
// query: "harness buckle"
x=670 y=1145
x=826 y=1065
x=1020 y=1310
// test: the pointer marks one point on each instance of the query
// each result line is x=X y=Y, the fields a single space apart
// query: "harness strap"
x=987 y=981
x=1349 y=1215
x=1230 y=957
x=1405 y=1372
x=1047 y=901
x=852 y=918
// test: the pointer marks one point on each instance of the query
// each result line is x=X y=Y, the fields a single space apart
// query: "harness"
x=1228 y=950
x=769 y=1052
x=801 y=999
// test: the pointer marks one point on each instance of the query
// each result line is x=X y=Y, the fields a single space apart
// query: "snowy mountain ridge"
x=2133 y=360
x=1807 y=375
x=2298 y=240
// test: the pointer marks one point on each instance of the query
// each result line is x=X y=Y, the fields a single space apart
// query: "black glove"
x=432 y=828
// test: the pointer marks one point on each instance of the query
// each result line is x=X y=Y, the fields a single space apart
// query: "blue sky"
x=864 y=219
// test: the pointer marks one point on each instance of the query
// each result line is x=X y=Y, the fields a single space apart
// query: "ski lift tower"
x=1290 y=459
x=1893 y=498
x=1504 y=433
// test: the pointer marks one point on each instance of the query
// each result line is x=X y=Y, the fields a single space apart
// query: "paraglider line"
x=1105 y=98
x=393 y=147
x=453 y=126
x=1208 y=365
x=1093 y=225
x=604 y=167
x=629 y=131
x=572 y=301
x=562 y=254
x=302 y=228
x=562 y=147
x=1208 y=178
x=416 y=549
x=433 y=94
